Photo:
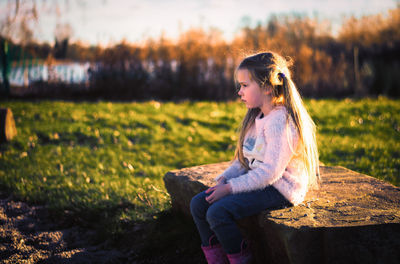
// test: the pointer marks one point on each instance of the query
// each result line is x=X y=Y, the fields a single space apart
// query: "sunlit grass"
x=104 y=162
x=362 y=135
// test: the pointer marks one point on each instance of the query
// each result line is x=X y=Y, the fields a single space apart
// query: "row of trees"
x=363 y=59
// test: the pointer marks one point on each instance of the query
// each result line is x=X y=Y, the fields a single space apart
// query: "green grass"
x=103 y=162
x=362 y=135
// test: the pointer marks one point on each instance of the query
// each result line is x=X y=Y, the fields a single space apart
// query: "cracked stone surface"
x=351 y=218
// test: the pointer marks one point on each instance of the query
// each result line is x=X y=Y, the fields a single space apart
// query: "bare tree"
x=62 y=33
x=16 y=26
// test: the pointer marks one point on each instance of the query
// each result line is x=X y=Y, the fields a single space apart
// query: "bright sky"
x=109 y=21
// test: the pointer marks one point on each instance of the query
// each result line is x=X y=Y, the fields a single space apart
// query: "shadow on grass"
x=170 y=238
x=165 y=237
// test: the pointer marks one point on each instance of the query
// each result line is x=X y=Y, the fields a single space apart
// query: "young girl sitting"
x=276 y=159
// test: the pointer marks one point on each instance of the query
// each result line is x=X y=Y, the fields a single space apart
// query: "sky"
x=107 y=22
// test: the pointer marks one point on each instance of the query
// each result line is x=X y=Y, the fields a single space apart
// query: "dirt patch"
x=29 y=235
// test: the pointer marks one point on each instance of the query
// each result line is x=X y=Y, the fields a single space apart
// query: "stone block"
x=351 y=218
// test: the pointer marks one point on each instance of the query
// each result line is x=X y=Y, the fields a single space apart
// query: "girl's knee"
x=217 y=214
x=198 y=203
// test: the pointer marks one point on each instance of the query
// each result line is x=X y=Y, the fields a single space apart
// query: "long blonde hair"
x=270 y=70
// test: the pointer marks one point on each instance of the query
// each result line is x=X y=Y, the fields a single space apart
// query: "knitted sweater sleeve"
x=234 y=170
x=281 y=140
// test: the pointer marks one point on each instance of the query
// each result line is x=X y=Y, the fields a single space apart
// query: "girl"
x=276 y=159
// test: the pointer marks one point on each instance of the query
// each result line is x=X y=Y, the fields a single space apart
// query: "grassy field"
x=102 y=163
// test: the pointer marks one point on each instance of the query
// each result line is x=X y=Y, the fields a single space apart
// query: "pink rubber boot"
x=243 y=257
x=215 y=254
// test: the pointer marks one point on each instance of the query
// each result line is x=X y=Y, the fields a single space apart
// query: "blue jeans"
x=216 y=221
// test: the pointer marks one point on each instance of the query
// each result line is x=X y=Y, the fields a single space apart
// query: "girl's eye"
x=238 y=86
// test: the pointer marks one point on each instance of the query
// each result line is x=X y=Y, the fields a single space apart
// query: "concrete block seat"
x=351 y=218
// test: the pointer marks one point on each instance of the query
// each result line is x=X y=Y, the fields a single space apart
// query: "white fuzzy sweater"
x=269 y=147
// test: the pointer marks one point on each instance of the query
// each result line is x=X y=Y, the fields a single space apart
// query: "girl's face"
x=250 y=92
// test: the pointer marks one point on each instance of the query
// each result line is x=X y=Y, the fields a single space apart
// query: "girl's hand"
x=218 y=192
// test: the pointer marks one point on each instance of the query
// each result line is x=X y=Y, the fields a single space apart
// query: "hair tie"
x=281 y=74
